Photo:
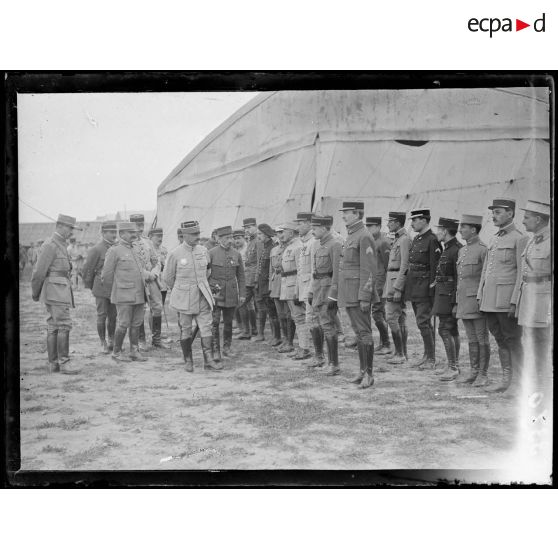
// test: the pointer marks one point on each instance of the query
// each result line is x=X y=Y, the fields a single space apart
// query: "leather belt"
x=419 y=267
x=393 y=269
x=445 y=279
x=288 y=273
x=58 y=274
x=322 y=275
x=536 y=278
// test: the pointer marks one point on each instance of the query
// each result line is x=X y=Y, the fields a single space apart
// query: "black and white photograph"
x=330 y=278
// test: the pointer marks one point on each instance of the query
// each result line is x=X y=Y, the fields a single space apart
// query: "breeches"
x=282 y=308
x=250 y=302
x=326 y=319
x=298 y=313
x=447 y=325
x=204 y=320
x=155 y=299
x=129 y=315
x=505 y=330
x=361 y=323
x=476 y=330
x=105 y=309
x=58 y=317
x=422 y=312
x=396 y=313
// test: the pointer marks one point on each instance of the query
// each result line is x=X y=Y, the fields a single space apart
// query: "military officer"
x=179 y=236
x=150 y=261
x=445 y=298
x=383 y=247
x=248 y=309
x=239 y=244
x=106 y=310
x=186 y=273
x=499 y=290
x=226 y=280
x=470 y=261
x=534 y=304
x=51 y=285
x=289 y=287
x=424 y=254
x=283 y=313
x=394 y=289
x=266 y=306
x=325 y=270
x=355 y=289
x=156 y=237
x=311 y=330
x=123 y=273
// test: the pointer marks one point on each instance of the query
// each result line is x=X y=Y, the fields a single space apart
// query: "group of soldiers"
x=298 y=275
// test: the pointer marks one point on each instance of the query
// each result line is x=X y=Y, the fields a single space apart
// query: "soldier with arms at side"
x=249 y=308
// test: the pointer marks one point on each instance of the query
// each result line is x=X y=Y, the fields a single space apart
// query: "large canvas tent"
x=452 y=150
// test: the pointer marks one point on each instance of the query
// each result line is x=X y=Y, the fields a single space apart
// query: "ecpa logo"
x=493 y=25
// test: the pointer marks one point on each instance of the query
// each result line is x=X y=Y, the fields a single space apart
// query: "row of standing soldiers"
x=300 y=282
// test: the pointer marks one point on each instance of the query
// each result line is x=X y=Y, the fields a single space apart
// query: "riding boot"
x=428 y=359
x=253 y=322
x=484 y=361
x=227 y=339
x=318 y=341
x=474 y=360
x=332 y=356
x=362 y=364
x=287 y=346
x=117 y=354
x=262 y=315
x=64 y=352
x=135 y=354
x=186 y=346
x=52 y=350
x=283 y=324
x=506 y=363
x=156 y=340
x=398 y=357
x=384 y=348
x=451 y=372
x=276 y=328
x=244 y=324
x=216 y=345
x=368 y=354
x=404 y=335
x=141 y=342
x=457 y=343
x=208 y=361
x=101 y=329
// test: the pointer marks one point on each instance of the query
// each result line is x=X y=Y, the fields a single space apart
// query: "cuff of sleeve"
x=331 y=298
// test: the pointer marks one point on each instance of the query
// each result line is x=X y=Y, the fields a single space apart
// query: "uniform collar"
x=353 y=227
x=293 y=239
x=223 y=248
x=122 y=242
x=421 y=234
x=473 y=240
x=60 y=239
x=326 y=237
x=450 y=243
x=543 y=234
x=307 y=236
x=401 y=232
x=507 y=229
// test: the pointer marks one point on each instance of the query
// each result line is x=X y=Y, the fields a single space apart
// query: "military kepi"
x=322 y=220
x=471 y=219
x=127 y=226
x=190 y=227
x=156 y=230
x=504 y=203
x=68 y=221
x=249 y=221
x=238 y=232
x=537 y=207
x=448 y=223
x=109 y=226
x=397 y=216
x=266 y=229
x=373 y=221
x=137 y=218
x=423 y=212
x=352 y=206
x=223 y=231
x=304 y=216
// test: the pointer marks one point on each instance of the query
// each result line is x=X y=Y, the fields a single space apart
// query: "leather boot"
x=451 y=372
x=398 y=357
x=384 y=348
x=244 y=324
x=288 y=346
x=351 y=342
x=111 y=326
x=368 y=379
x=141 y=342
x=208 y=361
x=52 y=350
x=505 y=381
x=63 y=343
x=318 y=341
x=101 y=333
x=253 y=322
x=156 y=340
x=186 y=346
x=404 y=335
x=262 y=315
x=216 y=345
x=332 y=356
x=429 y=362
x=276 y=329
x=484 y=361
x=227 y=340
x=117 y=354
x=457 y=344
x=283 y=326
x=474 y=360
x=135 y=354
x=302 y=354
x=362 y=364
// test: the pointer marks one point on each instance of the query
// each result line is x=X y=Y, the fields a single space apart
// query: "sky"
x=91 y=154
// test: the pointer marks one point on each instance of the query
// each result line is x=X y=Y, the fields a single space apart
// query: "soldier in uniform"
x=383 y=247
x=74 y=255
x=424 y=254
x=311 y=330
x=289 y=287
x=124 y=275
x=266 y=306
x=227 y=283
x=106 y=310
x=534 y=304
x=354 y=289
x=283 y=314
x=499 y=290
x=186 y=273
x=156 y=237
x=248 y=309
x=325 y=270
x=445 y=297
x=213 y=241
x=469 y=268
x=51 y=285
x=394 y=290
x=239 y=244
x=150 y=262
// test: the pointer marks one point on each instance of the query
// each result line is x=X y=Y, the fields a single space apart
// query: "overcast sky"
x=88 y=155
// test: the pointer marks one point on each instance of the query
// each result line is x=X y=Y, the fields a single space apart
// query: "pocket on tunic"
x=505 y=255
x=471 y=291
x=504 y=293
x=125 y=291
x=57 y=289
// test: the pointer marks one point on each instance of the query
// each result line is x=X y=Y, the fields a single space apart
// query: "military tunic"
x=304 y=265
x=50 y=283
x=251 y=264
x=275 y=269
x=470 y=261
x=446 y=279
x=227 y=271
x=148 y=257
x=398 y=263
x=424 y=254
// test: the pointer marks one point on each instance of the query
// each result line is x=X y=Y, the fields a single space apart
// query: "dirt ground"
x=264 y=411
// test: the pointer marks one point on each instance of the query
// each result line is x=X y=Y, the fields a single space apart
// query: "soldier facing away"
x=51 y=285
x=92 y=269
x=249 y=308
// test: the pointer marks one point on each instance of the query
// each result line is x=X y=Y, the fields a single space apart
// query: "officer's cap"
x=289 y=226
x=266 y=229
x=179 y=232
x=504 y=203
x=352 y=206
x=190 y=227
x=373 y=221
x=68 y=221
x=448 y=223
x=157 y=230
x=126 y=226
x=238 y=232
x=109 y=226
x=137 y=218
x=397 y=216
x=538 y=207
x=249 y=221
x=423 y=212
x=322 y=220
x=303 y=216
x=223 y=231
x=471 y=219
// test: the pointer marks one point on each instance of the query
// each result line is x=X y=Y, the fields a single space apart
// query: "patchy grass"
x=53 y=449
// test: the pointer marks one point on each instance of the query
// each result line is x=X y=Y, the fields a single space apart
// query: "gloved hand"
x=364 y=306
x=511 y=313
